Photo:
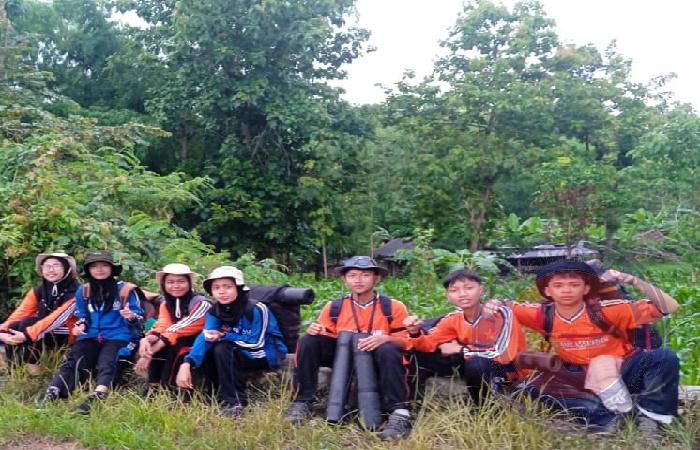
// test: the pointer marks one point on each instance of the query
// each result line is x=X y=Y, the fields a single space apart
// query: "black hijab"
x=52 y=295
x=103 y=293
x=231 y=312
x=178 y=307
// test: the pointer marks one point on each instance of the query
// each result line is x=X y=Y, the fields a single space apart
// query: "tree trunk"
x=5 y=30
x=477 y=220
x=325 y=256
x=184 y=148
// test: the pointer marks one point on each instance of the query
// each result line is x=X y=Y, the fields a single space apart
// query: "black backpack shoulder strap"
x=250 y=307
x=595 y=312
x=385 y=304
x=336 y=306
x=548 y=323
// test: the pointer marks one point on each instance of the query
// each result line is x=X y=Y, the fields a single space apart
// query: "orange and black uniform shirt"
x=578 y=339
x=498 y=337
x=369 y=318
x=59 y=321
x=170 y=330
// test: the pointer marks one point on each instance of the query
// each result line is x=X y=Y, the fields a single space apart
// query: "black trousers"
x=478 y=373
x=30 y=352
x=315 y=352
x=165 y=364
x=84 y=356
x=225 y=368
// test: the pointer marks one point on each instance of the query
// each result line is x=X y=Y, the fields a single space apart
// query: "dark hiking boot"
x=298 y=413
x=51 y=395
x=84 y=408
x=233 y=411
x=609 y=428
x=648 y=427
x=397 y=427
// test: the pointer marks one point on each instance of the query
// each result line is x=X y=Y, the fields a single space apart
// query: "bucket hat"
x=41 y=257
x=545 y=273
x=362 y=263
x=101 y=256
x=225 y=272
x=176 y=269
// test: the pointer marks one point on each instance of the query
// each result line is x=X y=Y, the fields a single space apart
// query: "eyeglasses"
x=47 y=267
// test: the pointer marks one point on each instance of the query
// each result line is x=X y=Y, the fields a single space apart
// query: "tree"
x=487 y=122
x=69 y=184
x=242 y=87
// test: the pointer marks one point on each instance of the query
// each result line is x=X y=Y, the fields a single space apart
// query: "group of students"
x=102 y=321
x=602 y=376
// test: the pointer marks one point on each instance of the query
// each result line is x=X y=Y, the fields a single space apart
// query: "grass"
x=128 y=421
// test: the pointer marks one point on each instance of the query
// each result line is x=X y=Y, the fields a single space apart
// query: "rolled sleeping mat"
x=296 y=296
x=368 y=398
x=538 y=360
x=340 y=378
x=281 y=294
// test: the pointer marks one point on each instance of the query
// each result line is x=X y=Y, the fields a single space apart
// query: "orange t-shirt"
x=498 y=337
x=578 y=339
x=366 y=319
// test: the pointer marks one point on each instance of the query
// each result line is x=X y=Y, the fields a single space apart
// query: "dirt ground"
x=30 y=442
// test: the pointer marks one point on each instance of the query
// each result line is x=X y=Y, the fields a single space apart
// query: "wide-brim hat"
x=225 y=272
x=101 y=256
x=361 y=263
x=41 y=257
x=176 y=269
x=545 y=273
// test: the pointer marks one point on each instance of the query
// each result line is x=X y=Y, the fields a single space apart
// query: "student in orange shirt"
x=362 y=310
x=591 y=337
x=481 y=348
x=44 y=317
x=180 y=320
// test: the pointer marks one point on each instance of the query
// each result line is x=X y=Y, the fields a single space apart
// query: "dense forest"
x=210 y=129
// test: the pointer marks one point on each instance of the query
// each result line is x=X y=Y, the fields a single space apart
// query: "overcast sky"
x=659 y=36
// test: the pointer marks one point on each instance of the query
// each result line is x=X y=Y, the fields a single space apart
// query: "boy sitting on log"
x=482 y=349
x=604 y=376
x=381 y=319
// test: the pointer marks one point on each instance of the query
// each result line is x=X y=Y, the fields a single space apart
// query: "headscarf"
x=231 y=312
x=52 y=295
x=178 y=307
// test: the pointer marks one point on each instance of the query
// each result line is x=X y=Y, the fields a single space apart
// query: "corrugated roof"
x=389 y=249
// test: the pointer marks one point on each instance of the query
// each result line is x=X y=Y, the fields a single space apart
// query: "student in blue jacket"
x=104 y=326
x=241 y=335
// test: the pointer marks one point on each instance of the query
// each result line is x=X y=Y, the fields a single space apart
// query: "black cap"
x=101 y=256
x=567 y=266
x=362 y=263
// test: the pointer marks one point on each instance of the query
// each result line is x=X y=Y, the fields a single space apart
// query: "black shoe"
x=397 y=427
x=51 y=395
x=84 y=408
x=232 y=411
x=648 y=427
x=298 y=413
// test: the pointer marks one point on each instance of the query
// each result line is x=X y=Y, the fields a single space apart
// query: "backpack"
x=384 y=305
x=645 y=337
x=429 y=324
x=285 y=303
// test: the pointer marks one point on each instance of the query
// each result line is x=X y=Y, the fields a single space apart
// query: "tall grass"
x=126 y=420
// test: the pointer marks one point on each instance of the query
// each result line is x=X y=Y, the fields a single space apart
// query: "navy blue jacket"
x=109 y=325
x=257 y=338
